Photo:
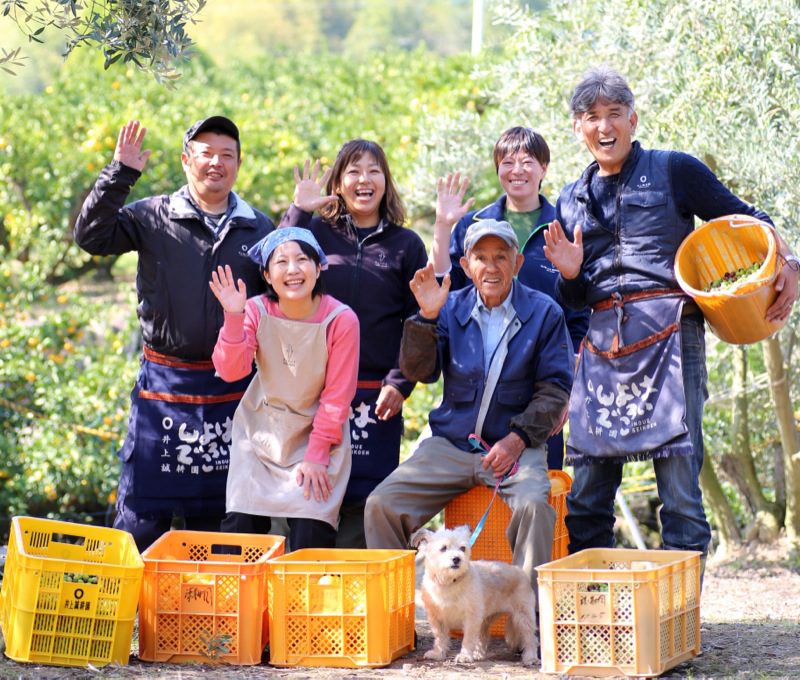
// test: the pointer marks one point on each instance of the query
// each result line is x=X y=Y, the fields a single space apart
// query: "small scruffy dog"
x=458 y=593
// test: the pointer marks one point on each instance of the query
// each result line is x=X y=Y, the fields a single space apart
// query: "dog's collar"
x=460 y=578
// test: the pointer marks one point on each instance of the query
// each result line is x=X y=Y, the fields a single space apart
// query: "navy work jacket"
x=539 y=350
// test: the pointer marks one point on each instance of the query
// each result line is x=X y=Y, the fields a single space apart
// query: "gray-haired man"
x=641 y=378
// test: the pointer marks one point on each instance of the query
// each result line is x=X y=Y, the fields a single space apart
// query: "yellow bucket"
x=736 y=315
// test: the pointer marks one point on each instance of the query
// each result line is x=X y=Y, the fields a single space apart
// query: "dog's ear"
x=420 y=538
x=463 y=533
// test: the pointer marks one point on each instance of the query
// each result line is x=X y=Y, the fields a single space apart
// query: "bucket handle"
x=739 y=221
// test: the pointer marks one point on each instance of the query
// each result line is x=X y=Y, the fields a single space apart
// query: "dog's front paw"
x=434 y=655
x=464 y=657
x=529 y=657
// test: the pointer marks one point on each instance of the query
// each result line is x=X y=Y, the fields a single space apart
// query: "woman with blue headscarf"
x=290 y=448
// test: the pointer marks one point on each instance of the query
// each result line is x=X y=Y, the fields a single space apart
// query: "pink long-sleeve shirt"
x=237 y=344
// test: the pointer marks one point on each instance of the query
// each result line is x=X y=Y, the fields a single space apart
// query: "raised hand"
x=231 y=296
x=308 y=188
x=566 y=255
x=450 y=204
x=129 y=146
x=429 y=294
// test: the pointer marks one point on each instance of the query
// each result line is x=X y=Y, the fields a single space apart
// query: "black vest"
x=639 y=254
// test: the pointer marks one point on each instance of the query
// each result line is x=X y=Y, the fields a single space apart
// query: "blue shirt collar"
x=503 y=306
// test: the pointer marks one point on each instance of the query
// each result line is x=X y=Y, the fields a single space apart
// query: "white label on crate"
x=593 y=608
x=198 y=597
x=78 y=599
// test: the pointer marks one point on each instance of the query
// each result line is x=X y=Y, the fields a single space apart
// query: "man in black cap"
x=175 y=456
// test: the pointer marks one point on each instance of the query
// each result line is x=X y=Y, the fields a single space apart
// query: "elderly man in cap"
x=175 y=456
x=506 y=356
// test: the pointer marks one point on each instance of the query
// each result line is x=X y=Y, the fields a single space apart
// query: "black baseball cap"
x=213 y=123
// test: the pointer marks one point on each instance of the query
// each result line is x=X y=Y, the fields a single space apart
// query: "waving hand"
x=566 y=255
x=308 y=188
x=231 y=296
x=450 y=203
x=429 y=294
x=129 y=146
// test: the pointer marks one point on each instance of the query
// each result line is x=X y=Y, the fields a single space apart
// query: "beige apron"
x=273 y=423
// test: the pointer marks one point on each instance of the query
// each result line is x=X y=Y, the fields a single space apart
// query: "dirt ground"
x=750 y=628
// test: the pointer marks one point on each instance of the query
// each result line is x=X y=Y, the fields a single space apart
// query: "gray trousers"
x=436 y=473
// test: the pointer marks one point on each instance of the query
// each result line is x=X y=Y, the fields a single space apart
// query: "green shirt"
x=523 y=223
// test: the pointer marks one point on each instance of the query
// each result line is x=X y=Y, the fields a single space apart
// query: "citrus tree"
x=53 y=145
x=66 y=372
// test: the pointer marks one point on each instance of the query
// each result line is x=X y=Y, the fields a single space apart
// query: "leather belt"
x=618 y=300
x=175 y=362
x=689 y=309
x=369 y=384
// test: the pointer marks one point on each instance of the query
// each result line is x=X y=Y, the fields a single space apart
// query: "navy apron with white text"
x=627 y=401
x=179 y=435
x=375 y=443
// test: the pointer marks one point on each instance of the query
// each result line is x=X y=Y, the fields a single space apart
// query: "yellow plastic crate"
x=69 y=593
x=204 y=597
x=492 y=544
x=341 y=608
x=613 y=611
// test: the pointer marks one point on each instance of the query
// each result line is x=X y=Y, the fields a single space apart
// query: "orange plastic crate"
x=341 y=608
x=492 y=544
x=69 y=593
x=204 y=597
x=607 y=611
x=723 y=245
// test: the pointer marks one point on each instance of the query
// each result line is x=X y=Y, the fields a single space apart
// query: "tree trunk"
x=723 y=514
x=779 y=386
x=789 y=336
x=739 y=464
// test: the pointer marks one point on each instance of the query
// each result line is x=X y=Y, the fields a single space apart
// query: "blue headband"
x=261 y=251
